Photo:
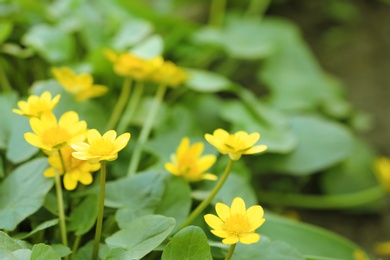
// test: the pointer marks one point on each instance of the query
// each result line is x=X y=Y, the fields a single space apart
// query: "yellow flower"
x=36 y=106
x=235 y=144
x=188 y=162
x=81 y=85
x=75 y=170
x=48 y=135
x=99 y=147
x=132 y=66
x=236 y=224
x=382 y=248
x=169 y=75
x=382 y=171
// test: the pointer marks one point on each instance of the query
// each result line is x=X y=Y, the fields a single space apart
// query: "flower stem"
x=60 y=201
x=76 y=244
x=131 y=106
x=145 y=131
x=99 y=221
x=231 y=251
x=339 y=201
x=120 y=105
x=211 y=196
x=257 y=7
x=217 y=12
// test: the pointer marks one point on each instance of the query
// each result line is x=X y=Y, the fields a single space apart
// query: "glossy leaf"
x=308 y=239
x=43 y=252
x=189 y=243
x=83 y=217
x=23 y=192
x=149 y=48
x=205 y=81
x=8 y=101
x=8 y=243
x=142 y=235
x=40 y=227
x=131 y=33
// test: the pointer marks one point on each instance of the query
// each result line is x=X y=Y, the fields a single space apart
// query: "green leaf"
x=189 y=243
x=18 y=148
x=7 y=255
x=5 y=30
x=142 y=235
x=23 y=192
x=40 y=227
x=149 y=48
x=83 y=217
x=308 y=239
x=205 y=81
x=131 y=33
x=266 y=249
x=321 y=144
x=21 y=254
x=50 y=42
x=8 y=243
x=176 y=200
x=43 y=252
x=61 y=250
x=135 y=196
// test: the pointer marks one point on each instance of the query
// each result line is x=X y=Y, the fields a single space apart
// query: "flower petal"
x=238 y=206
x=249 y=238
x=171 y=168
x=122 y=141
x=110 y=135
x=93 y=135
x=68 y=119
x=230 y=240
x=183 y=147
x=220 y=233
x=256 y=149
x=205 y=162
x=69 y=183
x=213 y=221
x=49 y=173
x=223 y=211
x=209 y=176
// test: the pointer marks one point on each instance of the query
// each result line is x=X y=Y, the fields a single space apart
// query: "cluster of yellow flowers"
x=155 y=70
x=63 y=141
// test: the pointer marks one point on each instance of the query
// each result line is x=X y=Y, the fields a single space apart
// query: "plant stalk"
x=145 y=131
x=231 y=252
x=120 y=105
x=99 y=222
x=131 y=106
x=217 y=12
x=60 y=201
x=211 y=196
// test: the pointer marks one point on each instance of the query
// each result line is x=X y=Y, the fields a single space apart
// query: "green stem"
x=131 y=106
x=145 y=131
x=120 y=105
x=99 y=221
x=60 y=201
x=217 y=12
x=340 y=201
x=4 y=82
x=257 y=7
x=211 y=196
x=75 y=247
x=231 y=251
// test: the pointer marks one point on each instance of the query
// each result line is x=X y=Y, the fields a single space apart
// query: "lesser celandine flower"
x=99 y=147
x=79 y=85
x=169 y=75
x=188 y=162
x=132 y=66
x=382 y=170
x=235 y=144
x=35 y=106
x=50 y=135
x=75 y=170
x=236 y=224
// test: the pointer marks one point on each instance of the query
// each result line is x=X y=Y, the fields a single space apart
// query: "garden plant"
x=131 y=131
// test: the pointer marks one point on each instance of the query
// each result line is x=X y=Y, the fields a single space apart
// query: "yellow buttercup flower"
x=236 y=224
x=35 y=106
x=235 y=144
x=79 y=85
x=75 y=170
x=188 y=162
x=132 y=66
x=48 y=135
x=169 y=75
x=382 y=248
x=382 y=171
x=99 y=147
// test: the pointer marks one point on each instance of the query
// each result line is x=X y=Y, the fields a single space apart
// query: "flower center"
x=56 y=137
x=237 y=224
x=102 y=147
